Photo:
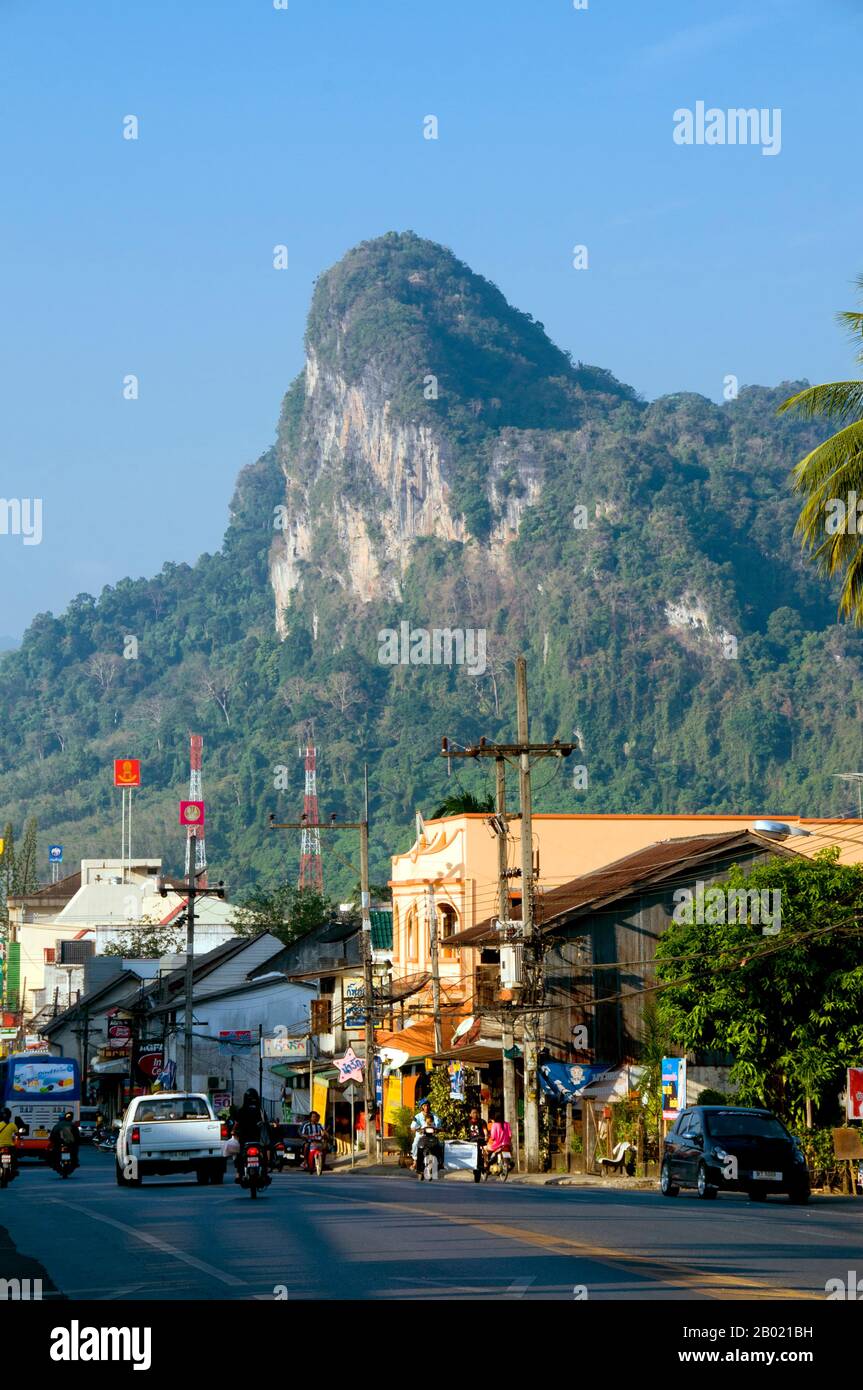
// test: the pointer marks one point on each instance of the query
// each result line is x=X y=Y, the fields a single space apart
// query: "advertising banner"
x=673 y=1087
x=854 y=1094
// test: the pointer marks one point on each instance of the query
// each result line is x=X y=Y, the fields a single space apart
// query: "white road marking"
x=158 y=1244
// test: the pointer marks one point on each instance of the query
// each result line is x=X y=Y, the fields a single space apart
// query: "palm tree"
x=830 y=473
x=463 y=804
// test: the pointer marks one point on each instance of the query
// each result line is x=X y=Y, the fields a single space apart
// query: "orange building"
x=452 y=869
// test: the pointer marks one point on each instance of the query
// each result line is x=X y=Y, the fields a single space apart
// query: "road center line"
x=157 y=1243
x=710 y=1283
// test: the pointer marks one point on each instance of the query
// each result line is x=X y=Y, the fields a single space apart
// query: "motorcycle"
x=280 y=1156
x=7 y=1167
x=315 y=1154
x=67 y=1163
x=429 y=1154
x=253 y=1174
x=499 y=1164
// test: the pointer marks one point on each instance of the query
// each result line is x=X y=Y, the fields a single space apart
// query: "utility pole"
x=532 y=959
x=521 y=753
x=366 y=936
x=192 y=891
x=435 y=965
x=510 y=1107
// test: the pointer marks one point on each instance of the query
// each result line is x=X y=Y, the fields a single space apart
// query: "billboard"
x=854 y=1094
x=673 y=1087
x=127 y=772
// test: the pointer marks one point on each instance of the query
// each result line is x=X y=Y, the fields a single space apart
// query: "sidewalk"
x=391 y=1169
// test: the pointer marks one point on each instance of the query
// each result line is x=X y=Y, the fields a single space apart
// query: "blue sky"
x=304 y=126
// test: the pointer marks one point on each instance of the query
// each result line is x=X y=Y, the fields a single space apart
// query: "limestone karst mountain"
x=440 y=463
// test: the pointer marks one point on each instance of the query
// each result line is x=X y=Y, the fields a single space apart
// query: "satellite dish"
x=464 y=1027
x=772 y=827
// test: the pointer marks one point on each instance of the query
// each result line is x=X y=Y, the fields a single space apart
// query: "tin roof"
x=652 y=864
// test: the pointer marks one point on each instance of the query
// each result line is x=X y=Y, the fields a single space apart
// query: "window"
x=411 y=935
x=448 y=926
x=175 y=1108
x=395 y=932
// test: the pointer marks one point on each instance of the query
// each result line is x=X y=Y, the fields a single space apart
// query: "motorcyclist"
x=65 y=1135
x=500 y=1137
x=9 y=1136
x=424 y=1119
x=250 y=1127
x=313 y=1129
x=477 y=1132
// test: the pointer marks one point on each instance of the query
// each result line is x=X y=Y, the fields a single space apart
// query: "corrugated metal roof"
x=615 y=880
x=382 y=929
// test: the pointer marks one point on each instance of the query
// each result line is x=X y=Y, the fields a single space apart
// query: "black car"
x=731 y=1148
x=291 y=1136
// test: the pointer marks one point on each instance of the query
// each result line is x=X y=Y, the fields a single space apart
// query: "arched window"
x=411 y=935
x=448 y=925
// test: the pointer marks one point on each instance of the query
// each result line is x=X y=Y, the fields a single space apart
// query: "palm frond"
x=837 y=400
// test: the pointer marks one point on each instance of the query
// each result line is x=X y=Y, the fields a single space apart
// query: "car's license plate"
x=762 y=1175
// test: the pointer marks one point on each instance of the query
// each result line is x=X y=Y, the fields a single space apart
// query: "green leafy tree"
x=453 y=1114
x=286 y=911
x=788 y=1007
x=463 y=804
x=147 y=941
x=7 y=872
x=25 y=873
x=832 y=471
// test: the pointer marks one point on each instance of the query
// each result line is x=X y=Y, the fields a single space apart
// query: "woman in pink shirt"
x=500 y=1136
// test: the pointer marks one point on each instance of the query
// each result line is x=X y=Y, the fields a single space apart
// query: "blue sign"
x=567 y=1080
x=379 y=1080
x=673 y=1086
x=55 y=854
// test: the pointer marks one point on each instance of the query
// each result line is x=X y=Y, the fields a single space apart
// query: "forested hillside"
x=440 y=461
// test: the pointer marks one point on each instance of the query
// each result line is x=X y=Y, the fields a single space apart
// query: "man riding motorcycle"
x=65 y=1136
x=9 y=1136
x=313 y=1129
x=250 y=1127
x=425 y=1119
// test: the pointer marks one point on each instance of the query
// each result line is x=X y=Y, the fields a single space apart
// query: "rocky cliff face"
x=396 y=409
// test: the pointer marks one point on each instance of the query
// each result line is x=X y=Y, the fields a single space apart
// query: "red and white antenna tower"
x=311 y=866
x=196 y=793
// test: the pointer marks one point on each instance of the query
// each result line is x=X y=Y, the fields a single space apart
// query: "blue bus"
x=39 y=1089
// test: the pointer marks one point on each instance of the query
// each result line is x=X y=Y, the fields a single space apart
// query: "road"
x=380 y=1237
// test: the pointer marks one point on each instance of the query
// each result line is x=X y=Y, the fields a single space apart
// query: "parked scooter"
x=280 y=1155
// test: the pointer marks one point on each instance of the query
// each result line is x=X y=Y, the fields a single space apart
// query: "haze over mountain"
x=439 y=461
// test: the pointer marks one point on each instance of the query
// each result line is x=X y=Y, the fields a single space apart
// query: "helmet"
x=69 y=1115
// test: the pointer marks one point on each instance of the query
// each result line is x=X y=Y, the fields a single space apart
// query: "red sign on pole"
x=191 y=813
x=127 y=772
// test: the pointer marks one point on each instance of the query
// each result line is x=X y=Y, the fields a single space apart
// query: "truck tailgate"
x=179 y=1138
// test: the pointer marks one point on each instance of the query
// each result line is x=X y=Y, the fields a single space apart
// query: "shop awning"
x=567 y=1080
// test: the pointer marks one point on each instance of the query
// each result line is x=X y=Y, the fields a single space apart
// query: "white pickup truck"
x=170 y=1133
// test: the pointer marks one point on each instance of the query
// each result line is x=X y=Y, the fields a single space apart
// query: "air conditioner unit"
x=511 y=966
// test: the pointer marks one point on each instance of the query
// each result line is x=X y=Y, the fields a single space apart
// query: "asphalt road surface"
x=379 y=1237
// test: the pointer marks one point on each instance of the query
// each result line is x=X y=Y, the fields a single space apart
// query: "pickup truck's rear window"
x=189 y=1108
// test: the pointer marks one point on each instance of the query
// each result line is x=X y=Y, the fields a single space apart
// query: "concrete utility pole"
x=365 y=908
x=435 y=965
x=510 y=1106
x=532 y=962
x=532 y=987
x=193 y=891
